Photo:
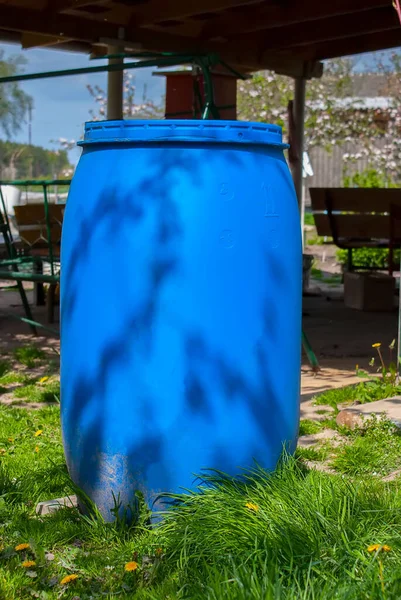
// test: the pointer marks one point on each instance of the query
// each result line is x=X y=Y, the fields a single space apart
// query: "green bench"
x=34 y=254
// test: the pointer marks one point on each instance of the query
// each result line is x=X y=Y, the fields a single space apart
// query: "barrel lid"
x=182 y=130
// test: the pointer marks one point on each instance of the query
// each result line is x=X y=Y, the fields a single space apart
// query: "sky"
x=62 y=105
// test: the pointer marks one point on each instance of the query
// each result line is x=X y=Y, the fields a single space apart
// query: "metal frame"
x=12 y=268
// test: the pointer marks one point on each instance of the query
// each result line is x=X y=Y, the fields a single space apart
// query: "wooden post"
x=296 y=127
x=115 y=87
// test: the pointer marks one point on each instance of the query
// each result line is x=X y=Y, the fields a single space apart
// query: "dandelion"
x=376 y=547
x=377 y=346
x=28 y=563
x=252 y=506
x=36 y=448
x=21 y=547
x=131 y=566
x=68 y=579
x=11 y=440
x=38 y=433
x=43 y=379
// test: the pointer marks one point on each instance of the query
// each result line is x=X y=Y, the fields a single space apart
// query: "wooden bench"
x=359 y=218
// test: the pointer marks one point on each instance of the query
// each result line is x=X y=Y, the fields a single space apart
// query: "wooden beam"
x=356 y=45
x=371 y=21
x=65 y=5
x=165 y=10
x=36 y=21
x=35 y=40
x=279 y=15
x=87 y=30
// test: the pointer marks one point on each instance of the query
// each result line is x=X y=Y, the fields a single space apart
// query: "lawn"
x=296 y=534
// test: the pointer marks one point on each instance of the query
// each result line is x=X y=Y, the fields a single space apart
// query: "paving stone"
x=331 y=435
x=50 y=506
x=392 y=476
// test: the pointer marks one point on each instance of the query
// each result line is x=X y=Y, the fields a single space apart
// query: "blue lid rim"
x=182 y=130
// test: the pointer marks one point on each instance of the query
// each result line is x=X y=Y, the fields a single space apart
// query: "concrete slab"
x=353 y=416
x=50 y=506
x=331 y=435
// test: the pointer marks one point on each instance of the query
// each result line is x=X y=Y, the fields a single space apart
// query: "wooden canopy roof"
x=288 y=36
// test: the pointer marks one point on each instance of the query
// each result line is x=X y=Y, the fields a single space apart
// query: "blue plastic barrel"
x=180 y=306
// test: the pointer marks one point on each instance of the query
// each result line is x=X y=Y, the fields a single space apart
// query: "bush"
x=368 y=257
x=369 y=178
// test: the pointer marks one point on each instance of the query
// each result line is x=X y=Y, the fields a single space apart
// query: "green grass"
x=376 y=449
x=14 y=377
x=309 y=219
x=366 y=391
x=307 y=427
x=306 y=539
x=4 y=367
x=29 y=355
x=318 y=453
x=329 y=279
x=37 y=392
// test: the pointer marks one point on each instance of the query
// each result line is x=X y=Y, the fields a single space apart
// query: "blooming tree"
x=145 y=109
x=332 y=115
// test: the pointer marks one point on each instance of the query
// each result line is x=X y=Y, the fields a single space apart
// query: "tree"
x=332 y=116
x=18 y=161
x=265 y=97
x=146 y=109
x=14 y=103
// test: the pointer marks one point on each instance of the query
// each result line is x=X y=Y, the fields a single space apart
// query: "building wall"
x=329 y=167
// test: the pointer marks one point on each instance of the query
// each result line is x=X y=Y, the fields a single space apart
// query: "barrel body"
x=181 y=286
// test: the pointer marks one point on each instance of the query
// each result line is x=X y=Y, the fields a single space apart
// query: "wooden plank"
x=163 y=10
x=322 y=224
x=34 y=40
x=270 y=15
x=356 y=44
x=62 y=5
x=84 y=29
x=37 y=238
x=357 y=227
x=368 y=21
x=31 y=214
x=250 y=54
x=362 y=200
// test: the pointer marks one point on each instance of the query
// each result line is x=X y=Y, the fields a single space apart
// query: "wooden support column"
x=297 y=135
x=115 y=87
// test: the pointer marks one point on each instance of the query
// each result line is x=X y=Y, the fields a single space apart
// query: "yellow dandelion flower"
x=131 y=566
x=36 y=448
x=38 y=433
x=68 y=579
x=376 y=547
x=28 y=563
x=43 y=379
x=21 y=547
x=11 y=440
x=252 y=506
x=377 y=345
